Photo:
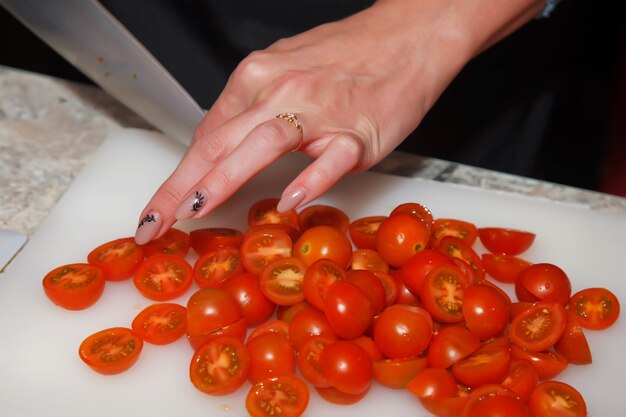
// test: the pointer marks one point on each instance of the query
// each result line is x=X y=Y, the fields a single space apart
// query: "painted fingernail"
x=148 y=227
x=191 y=206
x=290 y=201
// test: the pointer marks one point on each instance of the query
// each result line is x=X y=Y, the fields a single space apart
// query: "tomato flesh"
x=74 y=286
x=595 y=308
x=163 y=277
x=111 y=351
x=161 y=324
x=284 y=395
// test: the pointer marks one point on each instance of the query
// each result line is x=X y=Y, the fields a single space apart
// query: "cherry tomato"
x=255 y=306
x=293 y=233
x=417 y=210
x=503 y=268
x=307 y=323
x=573 y=343
x=272 y=326
x=282 y=280
x=397 y=373
x=494 y=400
x=323 y=242
x=367 y=343
x=261 y=246
x=118 y=259
x=74 y=286
x=163 y=277
x=413 y=273
x=548 y=364
x=318 y=277
x=545 y=282
x=390 y=285
x=287 y=312
x=400 y=237
x=161 y=324
x=264 y=212
x=596 y=308
x=457 y=248
x=505 y=241
x=487 y=365
x=446 y=407
x=465 y=231
x=111 y=351
x=334 y=396
x=485 y=310
x=323 y=215
x=403 y=331
x=213 y=268
x=451 y=344
x=348 y=310
x=556 y=399
x=363 y=231
x=442 y=293
x=308 y=360
x=521 y=379
x=373 y=288
x=173 y=242
x=539 y=327
x=211 y=238
x=434 y=383
x=284 y=395
x=271 y=354
x=347 y=366
x=368 y=259
x=220 y=366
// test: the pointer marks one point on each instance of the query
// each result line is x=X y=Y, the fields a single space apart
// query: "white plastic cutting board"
x=41 y=374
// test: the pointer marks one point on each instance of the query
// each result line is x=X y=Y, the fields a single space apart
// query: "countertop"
x=49 y=129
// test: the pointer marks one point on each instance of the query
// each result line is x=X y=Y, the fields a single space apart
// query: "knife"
x=95 y=42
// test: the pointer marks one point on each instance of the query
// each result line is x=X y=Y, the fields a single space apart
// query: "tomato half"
x=348 y=309
x=318 y=277
x=271 y=354
x=543 y=281
x=485 y=310
x=400 y=237
x=323 y=242
x=213 y=268
x=457 y=248
x=363 y=231
x=220 y=366
x=323 y=215
x=548 y=364
x=161 y=323
x=111 y=351
x=573 y=343
x=163 y=277
x=596 y=308
x=503 y=268
x=414 y=271
x=307 y=323
x=284 y=395
x=494 y=400
x=368 y=259
x=373 y=288
x=505 y=241
x=417 y=210
x=74 y=286
x=208 y=311
x=487 y=365
x=211 y=238
x=397 y=373
x=466 y=231
x=539 y=327
x=261 y=246
x=434 y=383
x=347 y=367
x=264 y=212
x=282 y=281
x=442 y=293
x=255 y=306
x=451 y=344
x=308 y=360
x=403 y=331
x=173 y=242
x=118 y=259
x=556 y=399
x=521 y=379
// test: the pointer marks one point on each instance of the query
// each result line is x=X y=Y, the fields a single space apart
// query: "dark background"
x=548 y=102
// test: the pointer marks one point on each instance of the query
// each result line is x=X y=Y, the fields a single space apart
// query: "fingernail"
x=191 y=206
x=148 y=227
x=290 y=201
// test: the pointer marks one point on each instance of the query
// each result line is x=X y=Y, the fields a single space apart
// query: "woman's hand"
x=358 y=87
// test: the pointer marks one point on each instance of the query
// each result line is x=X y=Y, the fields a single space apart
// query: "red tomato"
x=211 y=238
x=161 y=324
x=548 y=364
x=442 y=293
x=307 y=323
x=173 y=242
x=323 y=215
x=348 y=310
x=505 y=241
x=287 y=312
x=487 y=365
x=163 y=277
x=293 y=233
x=282 y=281
x=216 y=266
x=573 y=343
x=220 y=366
x=261 y=246
x=494 y=401
x=369 y=283
x=521 y=379
x=318 y=277
x=556 y=399
x=446 y=407
x=451 y=344
x=417 y=210
x=347 y=366
x=397 y=373
x=111 y=351
x=363 y=231
x=368 y=259
x=271 y=354
x=74 y=286
x=323 y=242
x=596 y=308
x=255 y=306
x=118 y=259
x=503 y=268
x=272 y=326
x=400 y=237
x=434 y=383
x=539 y=327
x=334 y=396
x=308 y=360
x=485 y=310
x=404 y=295
x=370 y=347
x=465 y=231
x=403 y=331
x=545 y=282
x=414 y=272
x=284 y=395
x=264 y=212
x=390 y=285
x=457 y=248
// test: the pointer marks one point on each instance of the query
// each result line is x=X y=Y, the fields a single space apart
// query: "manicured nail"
x=290 y=201
x=191 y=206
x=148 y=227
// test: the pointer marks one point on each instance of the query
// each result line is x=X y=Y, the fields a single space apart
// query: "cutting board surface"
x=41 y=374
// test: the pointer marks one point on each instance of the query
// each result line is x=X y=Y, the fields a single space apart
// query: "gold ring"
x=291 y=118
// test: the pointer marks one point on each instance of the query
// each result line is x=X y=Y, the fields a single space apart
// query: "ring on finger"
x=293 y=120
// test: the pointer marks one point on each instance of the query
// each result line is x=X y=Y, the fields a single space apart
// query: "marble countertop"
x=49 y=128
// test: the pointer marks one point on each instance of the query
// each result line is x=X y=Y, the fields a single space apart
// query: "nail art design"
x=148 y=228
x=149 y=218
x=198 y=201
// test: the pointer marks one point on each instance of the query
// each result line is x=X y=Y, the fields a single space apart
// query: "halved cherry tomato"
x=347 y=367
x=390 y=285
x=369 y=283
x=596 y=308
x=111 y=351
x=213 y=268
x=368 y=259
x=457 y=248
x=284 y=395
x=573 y=343
x=539 y=327
x=403 y=331
x=417 y=210
x=367 y=343
x=521 y=379
x=161 y=323
x=451 y=344
x=318 y=277
x=323 y=242
x=287 y=312
x=485 y=310
x=261 y=246
x=548 y=364
x=447 y=407
x=264 y=212
x=255 y=306
x=434 y=383
x=493 y=400
x=173 y=242
x=323 y=215
x=363 y=231
x=503 y=268
x=466 y=231
x=271 y=354
x=220 y=366
x=210 y=310
x=272 y=326
x=307 y=323
x=282 y=281
x=163 y=277
x=487 y=365
x=118 y=259
x=505 y=241
x=334 y=396
x=400 y=237
x=74 y=286
x=556 y=399
x=348 y=310
x=210 y=238
x=308 y=360
x=442 y=293
x=543 y=281
x=397 y=373
x=413 y=273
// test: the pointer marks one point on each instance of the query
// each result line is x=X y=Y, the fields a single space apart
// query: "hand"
x=358 y=87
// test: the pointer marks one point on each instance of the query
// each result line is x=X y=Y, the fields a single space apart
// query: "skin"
x=402 y=52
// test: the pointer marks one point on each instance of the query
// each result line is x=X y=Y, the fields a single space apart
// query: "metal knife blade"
x=91 y=39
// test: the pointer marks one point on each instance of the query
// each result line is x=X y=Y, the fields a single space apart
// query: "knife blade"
x=96 y=43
